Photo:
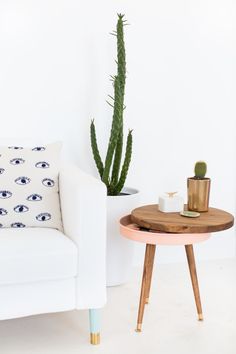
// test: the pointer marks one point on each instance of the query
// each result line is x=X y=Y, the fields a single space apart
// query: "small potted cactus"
x=113 y=172
x=199 y=188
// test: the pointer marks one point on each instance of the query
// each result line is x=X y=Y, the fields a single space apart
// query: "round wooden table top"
x=149 y=217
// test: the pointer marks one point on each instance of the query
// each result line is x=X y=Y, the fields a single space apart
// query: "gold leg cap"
x=200 y=317
x=139 y=327
x=95 y=338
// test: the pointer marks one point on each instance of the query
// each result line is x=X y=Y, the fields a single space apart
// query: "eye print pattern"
x=21 y=208
x=43 y=217
x=16 y=161
x=5 y=194
x=39 y=148
x=22 y=180
x=3 y=211
x=18 y=225
x=48 y=182
x=34 y=197
x=18 y=209
x=42 y=164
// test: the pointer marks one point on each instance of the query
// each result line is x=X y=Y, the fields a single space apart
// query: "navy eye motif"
x=43 y=217
x=42 y=164
x=21 y=208
x=5 y=194
x=34 y=197
x=22 y=180
x=48 y=182
x=39 y=148
x=17 y=224
x=1 y=171
x=17 y=161
x=3 y=211
x=15 y=147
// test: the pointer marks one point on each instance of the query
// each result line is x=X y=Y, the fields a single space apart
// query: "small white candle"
x=171 y=203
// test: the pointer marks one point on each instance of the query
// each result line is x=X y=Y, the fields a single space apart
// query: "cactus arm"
x=110 y=190
x=117 y=159
x=96 y=154
x=126 y=163
x=121 y=62
x=115 y=129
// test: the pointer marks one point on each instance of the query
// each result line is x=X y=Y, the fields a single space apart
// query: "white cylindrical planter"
x=119 y=250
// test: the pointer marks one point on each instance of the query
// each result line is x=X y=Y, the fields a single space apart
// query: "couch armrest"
x=83 y=206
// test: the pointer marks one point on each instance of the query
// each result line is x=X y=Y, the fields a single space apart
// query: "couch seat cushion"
x=34 y=254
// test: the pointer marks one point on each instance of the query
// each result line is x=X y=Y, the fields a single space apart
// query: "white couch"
x=44 y=270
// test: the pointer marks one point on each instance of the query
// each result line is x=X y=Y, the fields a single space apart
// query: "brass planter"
x=198 y=194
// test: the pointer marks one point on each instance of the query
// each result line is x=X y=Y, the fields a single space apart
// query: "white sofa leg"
x=94 y=321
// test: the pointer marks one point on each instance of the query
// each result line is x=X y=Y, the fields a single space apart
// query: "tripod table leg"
x=193 y=274
x=152 y=251
x=146 y=282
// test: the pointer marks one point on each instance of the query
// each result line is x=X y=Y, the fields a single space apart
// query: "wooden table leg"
x=152 y=250
x=146 y=282
x=193 y=274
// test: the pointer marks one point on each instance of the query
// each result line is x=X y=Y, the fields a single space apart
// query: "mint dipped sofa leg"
x=94 y=323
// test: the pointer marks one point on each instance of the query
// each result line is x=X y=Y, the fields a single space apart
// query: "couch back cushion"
x=29 y=195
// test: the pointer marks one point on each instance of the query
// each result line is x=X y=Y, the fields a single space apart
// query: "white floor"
x=170 y=325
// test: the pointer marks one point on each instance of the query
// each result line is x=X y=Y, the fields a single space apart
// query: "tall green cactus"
x=111 y=172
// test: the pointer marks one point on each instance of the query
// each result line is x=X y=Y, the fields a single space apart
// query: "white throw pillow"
x=29 y=195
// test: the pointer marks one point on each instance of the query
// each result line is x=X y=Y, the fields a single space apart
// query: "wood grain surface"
x=149 y=217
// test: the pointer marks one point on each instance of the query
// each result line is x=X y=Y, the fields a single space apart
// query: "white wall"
x=55 y=60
